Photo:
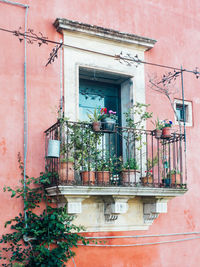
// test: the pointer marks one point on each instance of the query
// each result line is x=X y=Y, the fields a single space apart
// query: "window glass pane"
x=94 y=94
x=179 y=111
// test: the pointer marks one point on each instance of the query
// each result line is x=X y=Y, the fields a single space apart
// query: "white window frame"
x=96 y=47
x=188 y=105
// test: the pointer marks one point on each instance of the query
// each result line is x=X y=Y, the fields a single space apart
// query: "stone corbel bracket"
x=114 y=205
x=74 y=203
x=152 y=207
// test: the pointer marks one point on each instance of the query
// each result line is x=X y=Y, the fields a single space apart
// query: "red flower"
x=103 y=111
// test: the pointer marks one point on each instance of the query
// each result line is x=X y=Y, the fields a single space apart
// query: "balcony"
x=113 y=178
x=118 y=157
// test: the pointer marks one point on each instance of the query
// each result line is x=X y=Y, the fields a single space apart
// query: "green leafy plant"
x=107 y=163
x=96 y=115
x=137 y=115
x=135 y=118
x=44 y=235
x=173 y=171
x=67 y=159
x=167 y=123
x=79 y=144
x=151 y=162
x=103 y=164
x=105 y=113
x=130 y=164
x=159 y=125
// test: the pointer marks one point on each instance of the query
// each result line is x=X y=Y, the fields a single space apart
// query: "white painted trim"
x=188 y=104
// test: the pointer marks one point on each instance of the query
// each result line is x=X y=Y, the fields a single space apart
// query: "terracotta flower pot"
x=166 y=132
x=103 y=177
x=88 y=177
x=176 y=178
x=129 y=176
x=158 y=133
x=96 y=125
x=66 y=172
x=147 y=180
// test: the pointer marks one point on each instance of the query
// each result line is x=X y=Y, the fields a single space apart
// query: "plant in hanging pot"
x=159 y=125
x=129 y=172
x=95 y=118
x=166 y=130
x=108 y=120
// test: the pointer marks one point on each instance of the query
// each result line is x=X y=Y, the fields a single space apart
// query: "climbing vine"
x=40 y=236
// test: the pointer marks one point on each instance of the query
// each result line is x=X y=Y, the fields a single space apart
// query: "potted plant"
x=95 y=118
x=108 y=120
x=129 y=171
x=167 y=181
x=88 y=175
x=103 y=170
x=66 y=170
x=148 y=179
x=175 y=176
x=166 y=130
x=158 y=128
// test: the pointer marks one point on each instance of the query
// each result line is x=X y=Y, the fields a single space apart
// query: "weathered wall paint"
x=175 y=25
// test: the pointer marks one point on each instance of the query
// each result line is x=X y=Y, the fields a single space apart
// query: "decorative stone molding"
x=75 y=26
x=152 y=207
x=114 y=205
x=74 y=203
x=114 y=208
x=115 y=191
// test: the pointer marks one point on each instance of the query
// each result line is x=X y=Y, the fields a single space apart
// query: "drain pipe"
x=25 y=114
x=61 y=82
x=25 y=98
x=14 y=3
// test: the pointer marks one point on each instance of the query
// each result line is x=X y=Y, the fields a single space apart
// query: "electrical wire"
x=142 y=244
x=141 y=236
x=105 y=54
x=73 y=261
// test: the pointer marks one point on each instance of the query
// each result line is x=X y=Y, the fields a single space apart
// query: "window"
x=97 y=89
x=91 y=48
x=183 y=110
x=180 y=112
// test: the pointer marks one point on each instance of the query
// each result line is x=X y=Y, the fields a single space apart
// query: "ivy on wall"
x=44 y=235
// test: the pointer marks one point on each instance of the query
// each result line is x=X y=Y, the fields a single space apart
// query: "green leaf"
x=13 y=193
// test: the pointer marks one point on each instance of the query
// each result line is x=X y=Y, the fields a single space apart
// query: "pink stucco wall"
x=175 y=25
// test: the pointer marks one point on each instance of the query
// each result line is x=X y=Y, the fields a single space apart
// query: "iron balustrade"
x=120 y=156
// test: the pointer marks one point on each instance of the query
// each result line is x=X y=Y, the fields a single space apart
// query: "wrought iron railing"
x=114 y=157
